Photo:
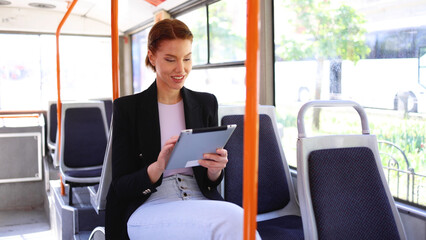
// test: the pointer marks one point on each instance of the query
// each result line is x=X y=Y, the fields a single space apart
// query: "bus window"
x=395 y=44
x=28 y=68
x=228 y=84
x=142 y=75
x=85 y=66
x=366 y=53
x=196 y=21
x=227 y=23
x=20 y=73
x=218 y=51
x=422 y=66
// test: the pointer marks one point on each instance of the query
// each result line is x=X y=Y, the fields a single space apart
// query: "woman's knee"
x=207 y=218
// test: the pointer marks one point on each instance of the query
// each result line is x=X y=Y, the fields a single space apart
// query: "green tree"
x=323 y=31
x=226 y=41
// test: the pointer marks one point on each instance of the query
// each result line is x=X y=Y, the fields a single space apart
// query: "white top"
x=172 y=122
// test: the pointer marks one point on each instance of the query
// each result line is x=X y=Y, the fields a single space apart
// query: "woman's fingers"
x=216 y=160
x=166 y=151
x=211 y=164
x=171 y=140
x=223 y=152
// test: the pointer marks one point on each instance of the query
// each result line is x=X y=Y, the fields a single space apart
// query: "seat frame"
x=98 y=196
x=305 y=145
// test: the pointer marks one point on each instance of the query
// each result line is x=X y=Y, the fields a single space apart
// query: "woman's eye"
x=169 y=60
x=187 y=59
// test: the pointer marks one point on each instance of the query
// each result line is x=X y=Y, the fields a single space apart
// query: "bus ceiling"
x=89 y=17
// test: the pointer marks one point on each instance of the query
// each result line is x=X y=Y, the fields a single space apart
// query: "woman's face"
x=172 y=63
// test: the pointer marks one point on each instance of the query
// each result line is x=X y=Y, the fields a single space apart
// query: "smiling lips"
x=178 y=79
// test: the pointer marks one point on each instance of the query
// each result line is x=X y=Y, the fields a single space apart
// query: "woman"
x=145 y=200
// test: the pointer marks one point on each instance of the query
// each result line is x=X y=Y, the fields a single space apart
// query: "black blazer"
x=136 y=144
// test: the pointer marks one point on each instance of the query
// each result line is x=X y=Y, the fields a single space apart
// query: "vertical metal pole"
x=58 y=82
x=115 y=50
x=251 y=122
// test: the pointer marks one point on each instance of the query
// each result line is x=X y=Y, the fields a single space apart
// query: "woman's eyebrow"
x=171 y=55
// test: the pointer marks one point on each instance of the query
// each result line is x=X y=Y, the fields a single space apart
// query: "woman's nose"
x=179 y=66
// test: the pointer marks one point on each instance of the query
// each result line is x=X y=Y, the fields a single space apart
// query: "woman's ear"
x=151 y=58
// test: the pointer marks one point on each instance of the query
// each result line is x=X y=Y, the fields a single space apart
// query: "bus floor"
x=25 y=209
x=25 y=224
x=51 y=217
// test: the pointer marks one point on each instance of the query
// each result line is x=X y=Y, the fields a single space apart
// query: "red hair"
x=167 y=29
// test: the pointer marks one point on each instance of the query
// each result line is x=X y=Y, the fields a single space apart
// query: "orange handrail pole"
x=115 y=50
x=20 y=116
x=251 y=123
x=58 y=82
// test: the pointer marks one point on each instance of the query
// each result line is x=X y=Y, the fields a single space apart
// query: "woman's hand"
x=157 y=168
x=215 y=163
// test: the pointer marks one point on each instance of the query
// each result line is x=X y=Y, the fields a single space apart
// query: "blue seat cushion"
x=286 y=227
x=273 y=193
x=84 y=173
x=53 y=122
x=84 y=138
x=348 y=196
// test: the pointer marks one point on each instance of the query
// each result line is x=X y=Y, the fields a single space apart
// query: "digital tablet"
x=193 y=143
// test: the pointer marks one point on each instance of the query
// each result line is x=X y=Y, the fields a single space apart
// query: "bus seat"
x=83 y=143
x=99 y=192
x=108 y=111
x=342 y=190
x=108 y=108
x=52 y=126
x=278 y=212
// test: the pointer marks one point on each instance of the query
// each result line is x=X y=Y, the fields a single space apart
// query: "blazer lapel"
x=148 y=121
